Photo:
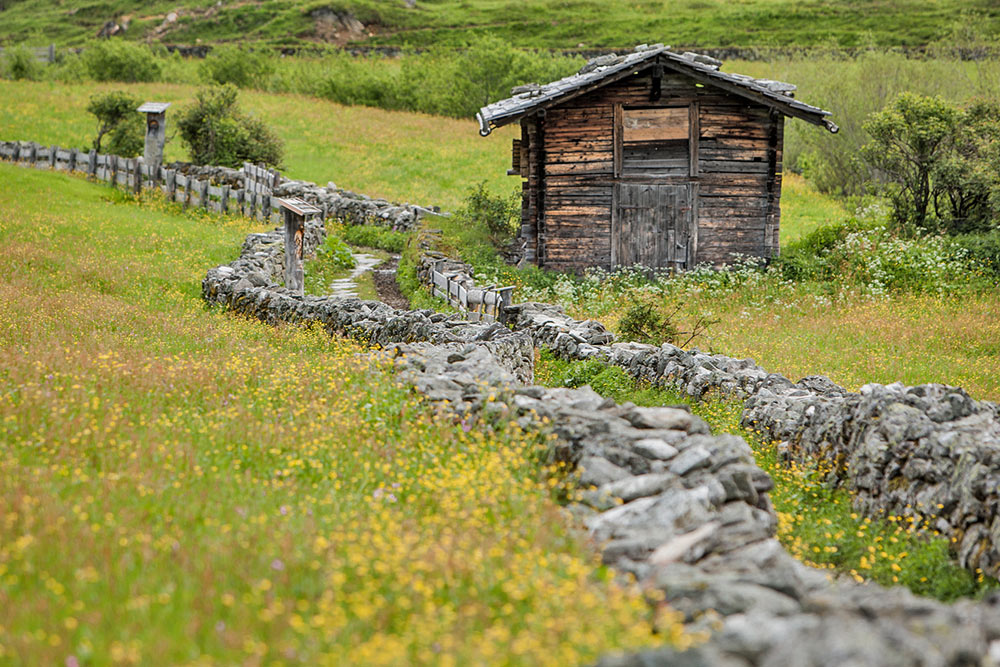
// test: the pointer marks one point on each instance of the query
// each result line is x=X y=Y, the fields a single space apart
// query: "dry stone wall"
x=926 y=451
x=350 y=207
x=930 y=451
x=686 y=512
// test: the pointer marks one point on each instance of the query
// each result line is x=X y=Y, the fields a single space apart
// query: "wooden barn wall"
x=737 y=201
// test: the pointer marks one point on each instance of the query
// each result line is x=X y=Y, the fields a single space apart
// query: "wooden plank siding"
x=570 y=176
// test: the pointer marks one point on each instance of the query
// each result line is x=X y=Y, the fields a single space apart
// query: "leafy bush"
x=650 y=320
x=115 y=60
x=336 y=253
x=440 y=81
x=936 y=158
x=19 y=63
x=217 y=132
x=808 y=258
x=374 y=236
x=238 y=66
x=983 y=250
x=118 y=120
x=500 y=216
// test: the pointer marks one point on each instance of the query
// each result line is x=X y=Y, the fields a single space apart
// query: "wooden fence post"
x=71 y=165
x=52 y=156
x=224 y=199
x=171 y=185
x=137 y=173
x=32 y=153
x=266 y=207
x=240 y=197
x=114 y=170
x=204 y=194
x=16 y=157
x=187 y=192
x=92 y=163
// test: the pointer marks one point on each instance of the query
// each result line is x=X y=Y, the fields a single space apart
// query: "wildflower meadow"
x=178 y=485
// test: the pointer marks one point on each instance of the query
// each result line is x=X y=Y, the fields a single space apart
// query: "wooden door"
x=653 y=225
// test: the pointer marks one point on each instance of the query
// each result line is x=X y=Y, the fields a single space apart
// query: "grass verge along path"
x=178 y=485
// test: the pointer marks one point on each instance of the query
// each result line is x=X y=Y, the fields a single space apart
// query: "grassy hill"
x=561 y=24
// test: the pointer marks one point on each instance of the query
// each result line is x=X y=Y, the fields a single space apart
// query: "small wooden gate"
x=653 y=225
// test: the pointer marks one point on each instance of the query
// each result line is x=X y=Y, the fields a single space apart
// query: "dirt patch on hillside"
x=337 y=27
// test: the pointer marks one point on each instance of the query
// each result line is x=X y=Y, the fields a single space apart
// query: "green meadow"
x=179 y=485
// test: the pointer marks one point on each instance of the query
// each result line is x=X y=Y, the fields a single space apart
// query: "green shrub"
x=119 y=122
x=808 y=258
x=115 y=60
x=374 y=236
x=983 y=250
x=650 y=319
x=217 y=132
x=239 y=66
x=19 y=63
x=336 y=253
x=500 y=216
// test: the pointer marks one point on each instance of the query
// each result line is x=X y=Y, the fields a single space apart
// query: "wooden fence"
x=485 y=304
x=43 y=54
x=253 y=201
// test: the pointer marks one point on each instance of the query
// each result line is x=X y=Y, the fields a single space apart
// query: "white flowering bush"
x=880 y=262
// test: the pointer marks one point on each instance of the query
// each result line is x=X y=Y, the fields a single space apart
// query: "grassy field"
x=797 y=331
x=540 y=23
x=178 y=485
x=419 y=158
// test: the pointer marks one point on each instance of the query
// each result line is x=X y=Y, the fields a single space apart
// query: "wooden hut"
x=654 y=158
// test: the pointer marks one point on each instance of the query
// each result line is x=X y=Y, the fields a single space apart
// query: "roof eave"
x=817 y=117
x=812 y=115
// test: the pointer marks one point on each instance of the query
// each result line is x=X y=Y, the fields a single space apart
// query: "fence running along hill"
x=449 y=280
x=253 y=201
x=43 y=54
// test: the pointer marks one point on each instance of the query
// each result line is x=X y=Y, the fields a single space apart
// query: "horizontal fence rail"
x=253 y=201
x=43 y=54
x=485 y=304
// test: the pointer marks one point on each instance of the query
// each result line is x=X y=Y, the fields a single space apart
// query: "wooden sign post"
x=295 y=211
x=156 y=133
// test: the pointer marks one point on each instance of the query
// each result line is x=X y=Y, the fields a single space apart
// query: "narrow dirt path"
x=385 y=284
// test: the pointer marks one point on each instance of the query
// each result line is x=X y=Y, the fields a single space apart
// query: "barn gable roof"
x=607 y=69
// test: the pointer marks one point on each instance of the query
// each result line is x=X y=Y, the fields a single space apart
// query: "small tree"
x=909 y=139
x=940 y=163
x=217 y=132
x=966 y=177
x=118 y=120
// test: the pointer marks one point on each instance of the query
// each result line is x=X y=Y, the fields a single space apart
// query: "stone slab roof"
x=604 y=70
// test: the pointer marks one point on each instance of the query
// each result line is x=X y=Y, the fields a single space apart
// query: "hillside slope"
x=566 y=24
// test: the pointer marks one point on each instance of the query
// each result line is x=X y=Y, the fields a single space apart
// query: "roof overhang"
x=528 y=103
